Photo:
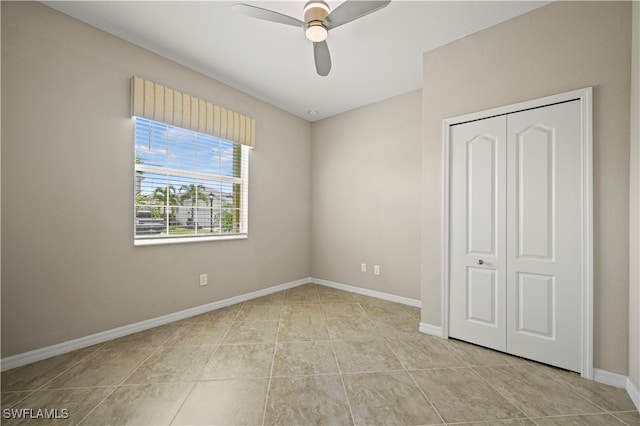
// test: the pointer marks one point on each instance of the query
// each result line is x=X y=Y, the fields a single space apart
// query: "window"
x=188 y=185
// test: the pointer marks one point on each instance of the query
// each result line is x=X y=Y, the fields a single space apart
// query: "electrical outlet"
x=204 y=279
x=363 y=267
x=376 y=269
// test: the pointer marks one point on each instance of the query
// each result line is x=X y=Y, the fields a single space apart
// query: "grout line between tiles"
x=619 y=419
x=561 y=416
x=212 y=354
x=484 y=422
x=567 y=386
x=509 y=400
x=570 y=389
x=125 y=378
x=335 y=355
x=158 y=348
x=404 y=367
x=42 y=387
x=193 y=384
x=273 y=361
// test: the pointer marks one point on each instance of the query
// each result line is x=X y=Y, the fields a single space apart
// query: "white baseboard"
x=83 y=342
x=366 y=292
x=634 y=392
x=434 y=330
x=609 y=378
x=619 y=381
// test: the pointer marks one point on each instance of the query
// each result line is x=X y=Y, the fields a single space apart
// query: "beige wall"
x=557 y=48
x=634 y=204
x=69 y=265
x=366 y=196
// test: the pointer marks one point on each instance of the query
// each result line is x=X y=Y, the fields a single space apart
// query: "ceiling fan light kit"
x=318 y=20
x=316 y=32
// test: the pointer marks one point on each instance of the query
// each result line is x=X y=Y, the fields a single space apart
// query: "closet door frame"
x=584 y=96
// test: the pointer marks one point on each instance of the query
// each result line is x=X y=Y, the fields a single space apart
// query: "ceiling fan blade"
x=322 y=58
x=351 y=10
x=267 y=15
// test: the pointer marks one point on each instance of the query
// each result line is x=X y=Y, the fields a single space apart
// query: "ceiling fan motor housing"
x=315 y=10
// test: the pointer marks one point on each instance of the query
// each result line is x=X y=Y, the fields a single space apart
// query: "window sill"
x=165 y=241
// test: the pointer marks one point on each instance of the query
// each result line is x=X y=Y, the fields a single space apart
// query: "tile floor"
x=309 y=355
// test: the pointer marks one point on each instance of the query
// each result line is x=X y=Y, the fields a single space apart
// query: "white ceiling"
x=374 y=58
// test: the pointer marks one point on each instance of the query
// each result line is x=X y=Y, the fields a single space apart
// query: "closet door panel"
x=477 y=232
x=544 y=234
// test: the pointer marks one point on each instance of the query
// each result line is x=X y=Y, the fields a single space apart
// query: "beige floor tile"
x=317 y=400
x=102 y=368
x=270 y=299
x=413 y=312
x=9 y=399
x=352 y=329
x=343 y=311
x=242 y=332
x=533 y=393
x=388 y=399
x=301 y=312
x=368 y=300
x=422 y=352
x=608 y=398
x=198 y=333
x=303 y=330
x=67 y=406
x=396 y=327
x=153 y=404
x=332 y=295
x=391 y=310
x=151 y=338
x=239 y=361
x=34 y=376
x=365 y=355
x=510 y=422
x=382 y=303
x=631 y=418
x=306 y=336
x=477 y=356
x=308 y=287
x=303 y=358
x=459 y=395
x=259 y=312
x=226 y=314
x=303 y=294
x=224 y=402
x=583 y=420
x=172 y=364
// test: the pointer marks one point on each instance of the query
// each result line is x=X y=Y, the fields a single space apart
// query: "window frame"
x=243 y=195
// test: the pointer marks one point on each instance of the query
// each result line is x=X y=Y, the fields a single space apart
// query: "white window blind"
x=188 y=185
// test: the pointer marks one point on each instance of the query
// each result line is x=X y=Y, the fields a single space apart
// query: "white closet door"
x=477 y=232
x=544 y=220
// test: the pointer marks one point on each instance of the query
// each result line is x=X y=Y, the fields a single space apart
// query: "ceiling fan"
x=318 y=20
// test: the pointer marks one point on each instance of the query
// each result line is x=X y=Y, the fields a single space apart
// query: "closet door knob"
x=480 y=262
